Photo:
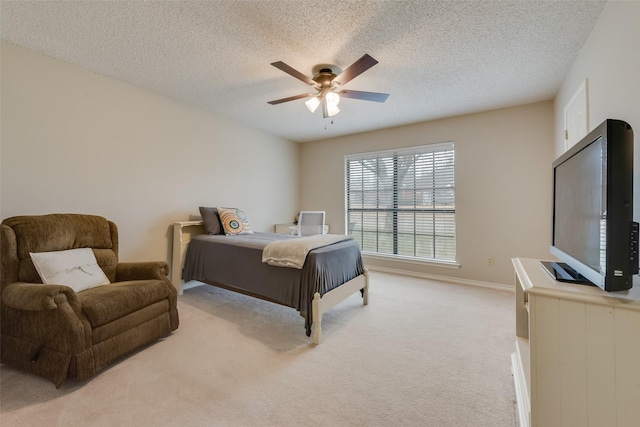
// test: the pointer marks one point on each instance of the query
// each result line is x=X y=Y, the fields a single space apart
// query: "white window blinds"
x=402 y=202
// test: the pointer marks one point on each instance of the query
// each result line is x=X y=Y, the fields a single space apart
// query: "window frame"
x=441 y=176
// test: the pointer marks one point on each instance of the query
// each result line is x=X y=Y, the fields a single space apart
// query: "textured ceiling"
x=436 y=58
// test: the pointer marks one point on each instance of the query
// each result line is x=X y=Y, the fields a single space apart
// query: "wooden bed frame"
x=183 y=231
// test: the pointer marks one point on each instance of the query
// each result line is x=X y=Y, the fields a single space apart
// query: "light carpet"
x=422 y=353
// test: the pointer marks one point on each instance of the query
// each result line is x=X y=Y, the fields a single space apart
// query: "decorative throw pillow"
x=234 y=221
x=76 y=268
x=211 y=220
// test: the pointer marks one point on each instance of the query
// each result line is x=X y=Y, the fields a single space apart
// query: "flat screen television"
x=594 y=235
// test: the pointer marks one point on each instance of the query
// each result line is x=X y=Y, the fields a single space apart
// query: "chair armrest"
x=36 y=296
x=141 y=271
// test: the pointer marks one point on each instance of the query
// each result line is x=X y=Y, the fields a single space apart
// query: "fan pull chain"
x=325 y=124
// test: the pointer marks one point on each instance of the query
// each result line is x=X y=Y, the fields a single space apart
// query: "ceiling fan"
x=328 y=86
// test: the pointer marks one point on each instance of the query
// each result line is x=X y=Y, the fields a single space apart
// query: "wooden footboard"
x=183 y=231
x=330 y=299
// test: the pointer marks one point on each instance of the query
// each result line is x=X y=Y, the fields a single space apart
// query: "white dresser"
x=577 y=358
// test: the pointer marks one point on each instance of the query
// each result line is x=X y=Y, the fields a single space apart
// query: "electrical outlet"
x=490 y=261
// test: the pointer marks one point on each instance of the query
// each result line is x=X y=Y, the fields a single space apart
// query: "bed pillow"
x=211 y=220
x=234 y=221
x=76 y=268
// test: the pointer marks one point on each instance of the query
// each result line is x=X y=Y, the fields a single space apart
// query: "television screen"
x=593 y=230
x=581 y=208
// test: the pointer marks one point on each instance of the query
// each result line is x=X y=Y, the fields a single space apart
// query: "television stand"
x=563 y=273
x=576 y=352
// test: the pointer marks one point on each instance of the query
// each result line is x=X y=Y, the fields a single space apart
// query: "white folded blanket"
x=293 y=252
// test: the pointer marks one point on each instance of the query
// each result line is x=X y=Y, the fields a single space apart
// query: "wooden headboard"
x=182 y=233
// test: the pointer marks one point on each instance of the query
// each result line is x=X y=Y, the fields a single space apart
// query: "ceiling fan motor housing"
x=324 y=77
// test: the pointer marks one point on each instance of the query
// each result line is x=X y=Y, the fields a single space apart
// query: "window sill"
x=410 y=260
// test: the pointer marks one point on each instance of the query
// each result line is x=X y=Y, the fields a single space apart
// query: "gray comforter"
x=236 y=263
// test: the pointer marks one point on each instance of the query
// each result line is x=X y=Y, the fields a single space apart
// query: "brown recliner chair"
x=54 y=332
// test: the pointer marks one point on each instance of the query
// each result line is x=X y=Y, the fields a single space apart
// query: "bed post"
x=317 y=319
x=365 y=290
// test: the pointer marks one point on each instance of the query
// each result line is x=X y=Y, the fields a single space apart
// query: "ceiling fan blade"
x=291 y=98
x=355 y=69
x=366 y=96
x=293 y=72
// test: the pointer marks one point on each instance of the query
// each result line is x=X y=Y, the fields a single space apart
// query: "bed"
x=329 y=275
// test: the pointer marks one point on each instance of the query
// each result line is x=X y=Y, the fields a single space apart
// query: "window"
x=402 y=202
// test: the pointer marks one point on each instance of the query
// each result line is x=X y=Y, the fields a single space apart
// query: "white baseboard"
x=449 y=279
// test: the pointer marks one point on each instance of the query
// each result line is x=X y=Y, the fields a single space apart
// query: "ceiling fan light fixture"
x=333 y=98
x=332 y=109
x=312 y=103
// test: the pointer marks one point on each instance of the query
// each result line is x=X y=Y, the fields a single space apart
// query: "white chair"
x=310 y=223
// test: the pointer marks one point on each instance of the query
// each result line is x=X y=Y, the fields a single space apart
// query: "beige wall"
x=60 y=121
x=503 y=184
x=610 y=60
x=76 y=141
